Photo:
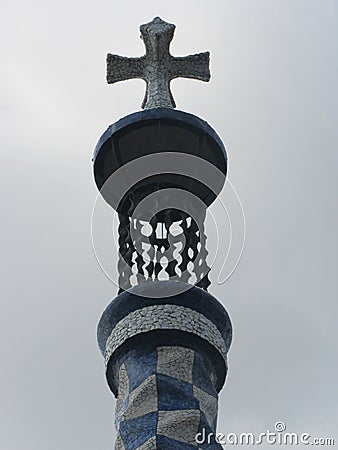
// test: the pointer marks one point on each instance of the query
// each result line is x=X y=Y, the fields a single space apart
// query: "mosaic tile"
x=119 y=443
x=208 y=405
x=180 y=425
x=205 y=430
x=135 y=432
x=140 y=365
x=175 y=394
x=146 y=294
x=171 y=444
x=168 y=317
x=143 y=399
x=120 y=410
x=157 y=410
x=202 y=375
x=149 y=445
x=122 y=399
x=176 y=362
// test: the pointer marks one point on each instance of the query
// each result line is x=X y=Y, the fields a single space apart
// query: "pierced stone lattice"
x=169 y=246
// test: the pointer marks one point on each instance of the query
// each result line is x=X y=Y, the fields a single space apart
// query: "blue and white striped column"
x=166 y=361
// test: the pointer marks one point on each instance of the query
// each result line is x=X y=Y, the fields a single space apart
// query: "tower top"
x=158 y=67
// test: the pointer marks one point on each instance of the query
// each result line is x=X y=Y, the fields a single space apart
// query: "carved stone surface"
x=158 y=67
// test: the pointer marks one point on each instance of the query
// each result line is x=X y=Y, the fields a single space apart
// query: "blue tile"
x=167 y=443
x=174 y=394
x=204 y=430
x=119 y=413
x=135 y=432
x=201 y=375
x=140 y=365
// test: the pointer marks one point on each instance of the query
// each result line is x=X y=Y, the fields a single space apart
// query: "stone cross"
x=158 y=67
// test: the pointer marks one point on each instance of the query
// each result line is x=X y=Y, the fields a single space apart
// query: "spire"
x=164 y=338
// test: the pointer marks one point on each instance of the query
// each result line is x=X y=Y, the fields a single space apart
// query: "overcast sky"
x=273 y=100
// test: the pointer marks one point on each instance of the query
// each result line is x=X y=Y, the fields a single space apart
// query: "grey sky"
x=273 y=100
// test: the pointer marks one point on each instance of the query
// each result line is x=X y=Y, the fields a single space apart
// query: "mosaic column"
x=166 y=363
x=164 y=338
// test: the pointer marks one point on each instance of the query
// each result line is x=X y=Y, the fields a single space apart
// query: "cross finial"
x=158 y=67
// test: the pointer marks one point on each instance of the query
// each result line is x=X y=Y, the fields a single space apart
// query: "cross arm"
x=121 y=68
x=192 y=66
